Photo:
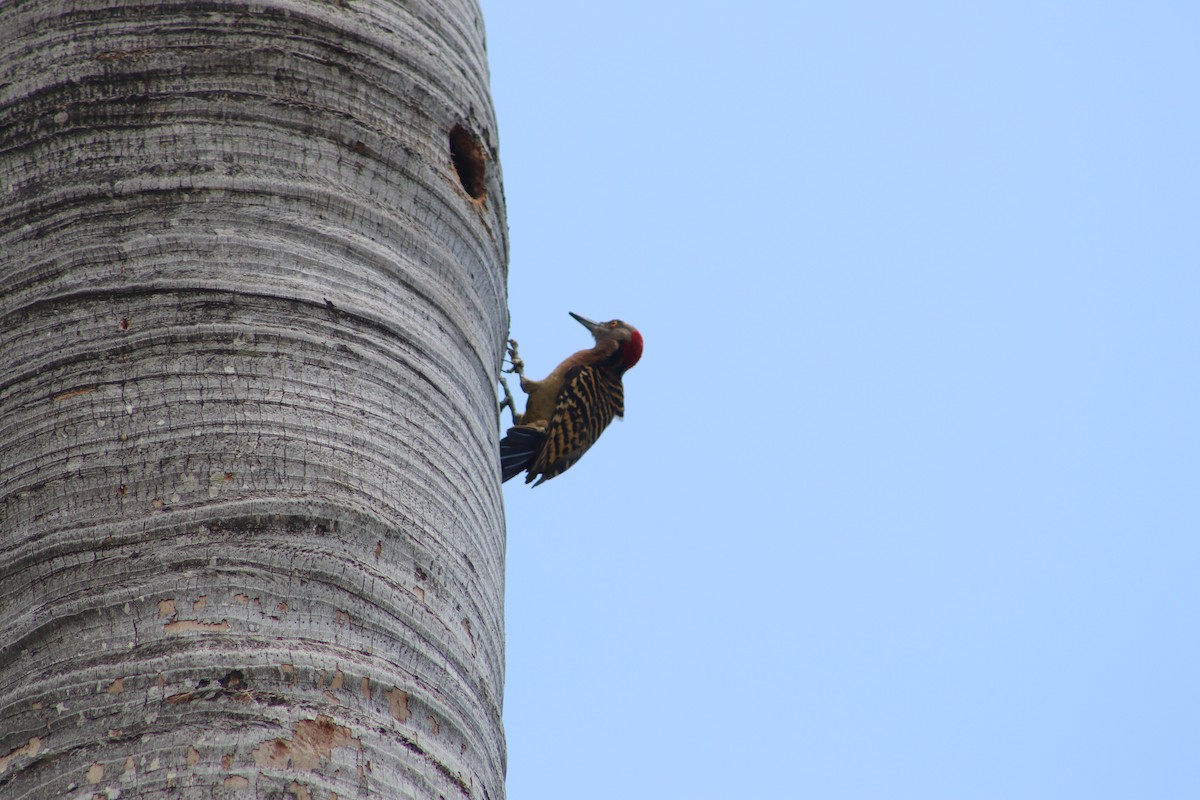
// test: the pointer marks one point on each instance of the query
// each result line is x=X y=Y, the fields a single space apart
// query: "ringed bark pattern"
x=250 y=321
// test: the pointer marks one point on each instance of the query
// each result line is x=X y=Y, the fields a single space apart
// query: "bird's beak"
x=585 y=322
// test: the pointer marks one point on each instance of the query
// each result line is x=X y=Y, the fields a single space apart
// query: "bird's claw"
x=517 y=364
x=509 y=403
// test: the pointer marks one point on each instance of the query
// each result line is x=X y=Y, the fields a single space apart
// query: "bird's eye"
x=612 y=324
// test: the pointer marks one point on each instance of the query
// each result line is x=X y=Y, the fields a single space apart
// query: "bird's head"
x=629 y=341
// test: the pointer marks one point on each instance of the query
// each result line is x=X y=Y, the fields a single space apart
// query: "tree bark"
x=252 y=264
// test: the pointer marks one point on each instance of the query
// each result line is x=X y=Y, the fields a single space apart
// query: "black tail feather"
x=518 y=449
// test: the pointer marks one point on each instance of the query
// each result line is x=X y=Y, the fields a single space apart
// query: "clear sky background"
x=905 y=503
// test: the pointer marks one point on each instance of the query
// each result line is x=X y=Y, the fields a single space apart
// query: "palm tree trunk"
x=252 y=263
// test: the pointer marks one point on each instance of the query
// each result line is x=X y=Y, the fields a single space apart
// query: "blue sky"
x=905 y=501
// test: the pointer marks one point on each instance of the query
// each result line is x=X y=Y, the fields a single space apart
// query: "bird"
x=566 y=411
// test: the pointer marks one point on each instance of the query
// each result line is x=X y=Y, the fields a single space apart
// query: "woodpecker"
x=568 y=409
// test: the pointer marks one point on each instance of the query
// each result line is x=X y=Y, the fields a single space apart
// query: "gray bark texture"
x=252 y=308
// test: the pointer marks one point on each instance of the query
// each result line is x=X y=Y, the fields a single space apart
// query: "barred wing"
x=587 y=402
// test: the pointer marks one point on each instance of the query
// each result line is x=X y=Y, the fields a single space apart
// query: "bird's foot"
x=509 y=403
x=517 y=364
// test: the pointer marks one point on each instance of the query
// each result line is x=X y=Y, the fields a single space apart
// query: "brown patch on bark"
x=434 y=728
x=272 y=754
x=236 y=782
x=166 y=607
x=364 y=686
x=95 y=773
x=116 y=687
x=313 y=741
x=398 y=700
x=200 y=603
x=30 y=748
x=193 y=756
x=316 y=738
x=72 y=393
x=186 y=625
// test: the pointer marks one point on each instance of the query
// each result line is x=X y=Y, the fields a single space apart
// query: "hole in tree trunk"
x=469 y=161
